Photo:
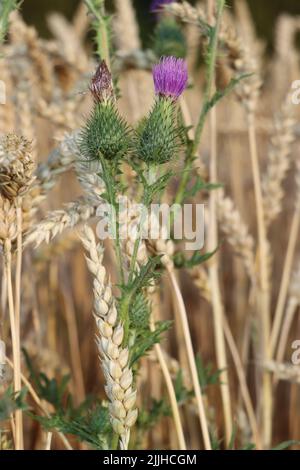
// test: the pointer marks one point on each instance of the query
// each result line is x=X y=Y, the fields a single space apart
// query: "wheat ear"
x=114 y=358
x=279 y=161
x=237 y=233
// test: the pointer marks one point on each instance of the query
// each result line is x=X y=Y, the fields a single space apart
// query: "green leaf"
x=146 y=340
x=200 y=185
x=206 y=375
x=286 y=444
x=219 y=94
x=182 y=393
x=196 y=259
x=10 y=402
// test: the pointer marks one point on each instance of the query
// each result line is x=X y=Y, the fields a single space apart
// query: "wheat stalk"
x=114 y=358
x=287 y=267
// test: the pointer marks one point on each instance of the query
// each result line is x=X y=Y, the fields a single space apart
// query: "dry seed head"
x=279 y=160
x=8 y=220
x=16 y=166
x=236 y=232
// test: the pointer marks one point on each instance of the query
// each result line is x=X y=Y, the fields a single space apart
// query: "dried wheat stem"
x=285 y=280
x=15 y=342
x=264 y=299
x=243 y=384
x=191 y=357
x=202 y=282
x=114 y=357
x=217 y=305
x=292 y=305
x=49 y=441
x=18 y=274
x=171 y=392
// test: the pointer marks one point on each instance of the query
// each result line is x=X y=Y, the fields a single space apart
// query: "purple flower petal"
x=158 y=4
x=170 y=77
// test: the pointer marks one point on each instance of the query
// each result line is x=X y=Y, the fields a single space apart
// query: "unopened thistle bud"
x=158 y=135
x=106 y=133
x=101 y=85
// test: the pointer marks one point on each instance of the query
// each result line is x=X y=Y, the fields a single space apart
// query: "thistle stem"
x=97 y=8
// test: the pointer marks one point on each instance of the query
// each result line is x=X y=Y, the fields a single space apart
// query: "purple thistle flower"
x=156 y=5
x=170 y=77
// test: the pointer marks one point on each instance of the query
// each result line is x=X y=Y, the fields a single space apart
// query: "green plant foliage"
x=182 y=393
x=169 y=39
x=146 y=339
x=206 y=375
x=10 y=402
x=6 y=7
x=89 y=424
x=196 y=259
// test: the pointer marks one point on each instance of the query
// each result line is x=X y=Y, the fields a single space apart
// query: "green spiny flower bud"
x=106 y=133
x=158 y=134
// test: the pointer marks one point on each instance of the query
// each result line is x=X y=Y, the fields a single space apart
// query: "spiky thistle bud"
x=159 y=133
x=106 y=133
x=16 y=166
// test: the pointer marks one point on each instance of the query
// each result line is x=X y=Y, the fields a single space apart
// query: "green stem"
x=96 y=7
x=107 y=177
x=115 y=442
x=211 y=65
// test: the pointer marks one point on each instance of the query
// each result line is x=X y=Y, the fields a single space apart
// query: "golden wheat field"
x=163 y=342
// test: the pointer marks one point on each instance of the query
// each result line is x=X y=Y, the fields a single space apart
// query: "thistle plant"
x=106 y=134
x=159 y=134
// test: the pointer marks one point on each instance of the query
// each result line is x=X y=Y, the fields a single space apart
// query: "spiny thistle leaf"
x=51 y=390
x=10 y=402
x=139 y=312
x=196 y=259
x=91 y=426
x=146 y=340
x=200 y=185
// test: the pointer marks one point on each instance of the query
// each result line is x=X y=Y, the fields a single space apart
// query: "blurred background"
x=264 y=14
